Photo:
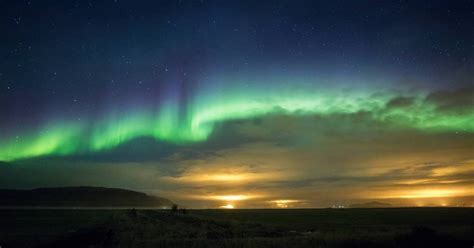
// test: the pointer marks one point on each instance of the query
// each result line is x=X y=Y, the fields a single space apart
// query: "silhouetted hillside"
x=80 y=197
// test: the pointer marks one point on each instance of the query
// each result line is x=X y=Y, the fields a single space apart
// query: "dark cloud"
x=401 y=102
x=458 y=101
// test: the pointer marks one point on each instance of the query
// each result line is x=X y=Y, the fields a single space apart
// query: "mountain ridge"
x=80 y=196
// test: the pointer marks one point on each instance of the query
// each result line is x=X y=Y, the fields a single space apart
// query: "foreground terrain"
x=406 y=227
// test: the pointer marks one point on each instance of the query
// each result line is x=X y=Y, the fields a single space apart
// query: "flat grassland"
x=391 y=227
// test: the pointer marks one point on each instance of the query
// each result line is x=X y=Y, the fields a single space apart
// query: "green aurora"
x=197 y=123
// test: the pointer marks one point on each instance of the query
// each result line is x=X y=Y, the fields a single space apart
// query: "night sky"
x=241 y=103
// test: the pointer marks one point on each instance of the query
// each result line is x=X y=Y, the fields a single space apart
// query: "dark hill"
x=80 y=197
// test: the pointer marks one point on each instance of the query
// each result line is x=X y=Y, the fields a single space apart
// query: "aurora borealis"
x=196 y=125
x=206 y=101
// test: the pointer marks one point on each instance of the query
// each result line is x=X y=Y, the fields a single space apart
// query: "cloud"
x=457 y=101
x=401 y=102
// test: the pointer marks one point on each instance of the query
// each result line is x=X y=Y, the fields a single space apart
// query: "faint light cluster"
x=285 y=203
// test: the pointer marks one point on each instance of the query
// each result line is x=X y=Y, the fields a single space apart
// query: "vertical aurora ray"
x=167 y=122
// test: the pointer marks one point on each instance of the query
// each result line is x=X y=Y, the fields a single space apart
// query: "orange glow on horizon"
x=423 y=193
x=228 y=206
x=232 y=197
x=431 y=193
x=285 y=203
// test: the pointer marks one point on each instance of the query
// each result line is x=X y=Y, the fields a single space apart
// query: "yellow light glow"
x=429 y=193
x=285 y=203
x=220 y=177
x=231 y=197
x=415 y=181
x=224 y=177
x=467 y=166
x=228 y=206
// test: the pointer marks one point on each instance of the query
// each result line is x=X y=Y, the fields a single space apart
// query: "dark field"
x=406 y=227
